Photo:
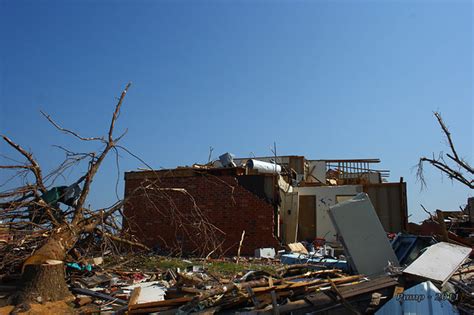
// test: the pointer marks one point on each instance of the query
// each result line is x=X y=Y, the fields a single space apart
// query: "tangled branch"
x=31 y=213
x=458 y=170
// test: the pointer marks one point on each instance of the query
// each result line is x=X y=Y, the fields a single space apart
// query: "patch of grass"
x=226 y=268
x=271 y=269
x=147 y=263
x=172 y=263
x=221 y=268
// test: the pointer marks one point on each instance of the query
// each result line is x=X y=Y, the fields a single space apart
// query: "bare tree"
x=44 y=235
x=450 y=164
x=32 y=212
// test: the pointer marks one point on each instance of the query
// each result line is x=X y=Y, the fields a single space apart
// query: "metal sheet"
x=227 y=160
x=439 y=262
x=362 y=235
x=422 y=299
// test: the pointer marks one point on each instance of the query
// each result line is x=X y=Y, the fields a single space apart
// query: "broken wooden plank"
x=274 y=303
x=298 y=248
x=99 y=295
x=134 y=296
x=161 y=310
x=295 y=285
x=310 y=274
x=344 y=302
x=372 y=285
x=165 y=303
x=320 y=299
x=252 y=296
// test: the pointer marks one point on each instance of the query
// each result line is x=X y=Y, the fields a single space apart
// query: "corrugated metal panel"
x=422 y=299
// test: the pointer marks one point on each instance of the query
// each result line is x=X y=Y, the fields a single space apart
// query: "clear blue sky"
x=323 y=79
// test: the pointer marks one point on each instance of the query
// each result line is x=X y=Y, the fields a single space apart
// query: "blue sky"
x=339 y=79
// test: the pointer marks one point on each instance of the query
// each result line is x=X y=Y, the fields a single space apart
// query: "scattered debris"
x=148 y=291
x=409 y=247
x=265 y=253
x=306 y=240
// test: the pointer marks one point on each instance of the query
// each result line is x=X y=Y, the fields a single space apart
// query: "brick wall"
x=152 y=214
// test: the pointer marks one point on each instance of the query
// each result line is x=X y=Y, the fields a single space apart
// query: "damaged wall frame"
x=286 y=184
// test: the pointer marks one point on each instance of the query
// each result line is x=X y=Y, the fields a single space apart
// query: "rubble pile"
x=439 y=276
x=370 y=263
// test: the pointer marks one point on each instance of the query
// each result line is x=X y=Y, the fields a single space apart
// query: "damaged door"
x=307 y=217
x=289 y=216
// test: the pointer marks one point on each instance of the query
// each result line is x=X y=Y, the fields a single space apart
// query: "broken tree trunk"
x=61 y=240
x=43 y=276
x=43 y=272
x=43 y=283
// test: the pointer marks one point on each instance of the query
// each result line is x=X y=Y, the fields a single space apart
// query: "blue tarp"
x=422 y=299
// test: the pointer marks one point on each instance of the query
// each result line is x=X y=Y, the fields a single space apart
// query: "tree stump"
x=43 y=283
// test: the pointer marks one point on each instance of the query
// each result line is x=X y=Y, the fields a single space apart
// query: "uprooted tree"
x=450 y=164
x=32 y=208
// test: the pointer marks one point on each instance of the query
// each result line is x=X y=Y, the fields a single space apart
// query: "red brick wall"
x=227 y=205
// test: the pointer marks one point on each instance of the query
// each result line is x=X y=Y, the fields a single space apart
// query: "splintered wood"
x=264 y=293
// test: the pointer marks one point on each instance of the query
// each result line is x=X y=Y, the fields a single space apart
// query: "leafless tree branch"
x=455 y=171
x=34 y=167
x=64 y=130
x=95 y=164
x=50 y=231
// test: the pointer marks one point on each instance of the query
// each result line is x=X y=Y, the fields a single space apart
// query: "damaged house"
x=275 y=200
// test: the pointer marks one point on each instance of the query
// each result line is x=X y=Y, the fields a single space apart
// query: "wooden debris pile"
x=463 y=283
x=195 y=289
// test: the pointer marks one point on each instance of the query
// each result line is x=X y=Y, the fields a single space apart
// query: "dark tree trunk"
x=43 y=283
x=43 y=276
